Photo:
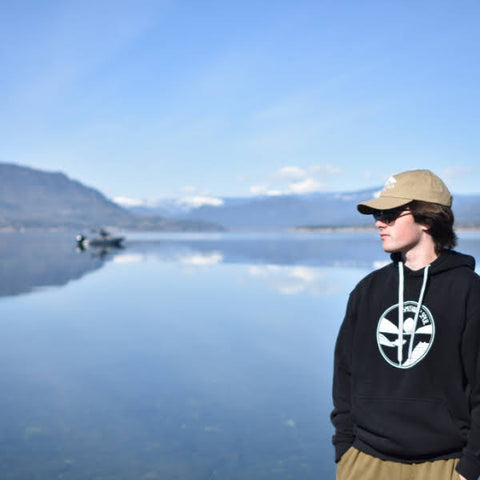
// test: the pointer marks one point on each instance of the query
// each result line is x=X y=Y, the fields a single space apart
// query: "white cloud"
x=265 y=190
x=128 y=202
x=199 y=201
x=258 y=189
x=293 y=179
x=308 y=185
x=276 y=193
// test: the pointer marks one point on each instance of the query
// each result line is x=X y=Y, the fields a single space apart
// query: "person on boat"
x=406 y=386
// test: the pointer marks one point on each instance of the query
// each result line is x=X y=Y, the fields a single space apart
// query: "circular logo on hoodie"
x=403 y=346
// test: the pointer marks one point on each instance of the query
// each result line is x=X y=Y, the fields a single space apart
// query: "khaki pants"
x=356 y=465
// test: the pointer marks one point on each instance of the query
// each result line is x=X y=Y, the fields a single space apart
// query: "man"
x=406 y=384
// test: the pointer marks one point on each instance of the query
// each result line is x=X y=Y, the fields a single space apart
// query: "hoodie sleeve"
x=469 y=465
x=341 y=415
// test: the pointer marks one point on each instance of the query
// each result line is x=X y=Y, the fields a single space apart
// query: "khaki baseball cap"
x=405 y=187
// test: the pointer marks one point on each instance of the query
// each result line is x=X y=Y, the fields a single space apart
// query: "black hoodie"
x=407 y=387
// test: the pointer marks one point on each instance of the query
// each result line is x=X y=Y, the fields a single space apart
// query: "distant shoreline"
x=345 y=229
x=335 y=229
x=459 y=229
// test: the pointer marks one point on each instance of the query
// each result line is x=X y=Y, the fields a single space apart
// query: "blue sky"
x=153 y=99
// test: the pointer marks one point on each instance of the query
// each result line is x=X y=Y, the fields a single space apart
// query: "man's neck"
x=419 y=258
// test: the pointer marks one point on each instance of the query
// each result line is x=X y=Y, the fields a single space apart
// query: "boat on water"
x=103 y=240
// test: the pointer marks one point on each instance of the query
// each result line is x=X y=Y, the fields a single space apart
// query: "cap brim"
x=381 y=203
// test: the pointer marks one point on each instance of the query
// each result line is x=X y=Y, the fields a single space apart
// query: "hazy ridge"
x=31 y=198
x=316 y=210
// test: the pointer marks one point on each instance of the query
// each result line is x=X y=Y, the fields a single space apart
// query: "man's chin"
x=388 y=249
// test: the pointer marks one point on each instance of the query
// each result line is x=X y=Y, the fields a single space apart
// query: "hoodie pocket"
x=406 y=427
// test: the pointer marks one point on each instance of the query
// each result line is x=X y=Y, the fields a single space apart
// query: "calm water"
x=190 y=357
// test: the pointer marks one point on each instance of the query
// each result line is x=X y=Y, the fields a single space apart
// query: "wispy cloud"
x=265 y=190
x=291 y=172
x=259 y=189
x=73 y=42
x=293 y=179
x=325 y=169
x=456 y=172
x=309 y=185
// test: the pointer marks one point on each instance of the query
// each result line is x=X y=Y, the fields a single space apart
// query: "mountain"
x=31 y=198
x=271 y=212
x=326 y=209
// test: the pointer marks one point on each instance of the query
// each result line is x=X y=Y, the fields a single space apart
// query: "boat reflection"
x=35 y=260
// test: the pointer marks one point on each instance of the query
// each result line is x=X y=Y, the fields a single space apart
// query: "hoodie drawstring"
x=401 y=281
x=400 y=313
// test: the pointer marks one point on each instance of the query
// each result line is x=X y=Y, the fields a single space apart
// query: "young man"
x=406 y=384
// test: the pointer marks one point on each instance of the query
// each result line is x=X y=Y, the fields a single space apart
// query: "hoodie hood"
x=447 y=260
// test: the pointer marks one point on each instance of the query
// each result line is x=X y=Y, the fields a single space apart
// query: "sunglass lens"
x=386 y=216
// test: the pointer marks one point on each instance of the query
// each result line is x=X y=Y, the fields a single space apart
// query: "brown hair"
x=439 y=220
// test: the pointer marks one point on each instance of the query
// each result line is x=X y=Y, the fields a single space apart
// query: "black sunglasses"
x=389 y=216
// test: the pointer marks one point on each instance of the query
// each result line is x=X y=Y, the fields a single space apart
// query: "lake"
x=181 y=356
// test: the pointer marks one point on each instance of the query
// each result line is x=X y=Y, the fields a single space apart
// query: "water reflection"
x=200 y=259
x=296 y=280
x=33 y=260
x=347 y=249
x=189 y=358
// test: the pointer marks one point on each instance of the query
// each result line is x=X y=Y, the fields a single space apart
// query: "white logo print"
x=418 y=342
x=390 y=183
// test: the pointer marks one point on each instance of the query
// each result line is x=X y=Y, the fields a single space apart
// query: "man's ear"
x=424 y=227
